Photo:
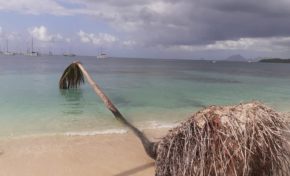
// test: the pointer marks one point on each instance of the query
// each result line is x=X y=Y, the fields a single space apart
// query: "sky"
x=175 y=29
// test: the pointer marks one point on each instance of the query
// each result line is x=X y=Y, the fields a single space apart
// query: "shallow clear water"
x=148 y=92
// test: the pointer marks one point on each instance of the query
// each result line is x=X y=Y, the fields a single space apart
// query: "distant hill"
x=275 y=60
x=236 y=58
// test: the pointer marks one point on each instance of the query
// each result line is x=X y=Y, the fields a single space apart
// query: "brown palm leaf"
x=72 y=77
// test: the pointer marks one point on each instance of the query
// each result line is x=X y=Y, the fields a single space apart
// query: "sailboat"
x=69 y=54
x=32 y=53
x=7 y=53
x=50 y=53
x=102 y=55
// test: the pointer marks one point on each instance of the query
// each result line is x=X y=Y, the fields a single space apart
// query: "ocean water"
x=150 y=93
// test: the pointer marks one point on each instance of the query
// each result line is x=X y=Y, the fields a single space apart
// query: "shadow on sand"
x=135 y=170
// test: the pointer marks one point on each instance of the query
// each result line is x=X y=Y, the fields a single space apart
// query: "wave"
x=93 y=133
x=146 y=126
x=142 y=126
x=158 y=125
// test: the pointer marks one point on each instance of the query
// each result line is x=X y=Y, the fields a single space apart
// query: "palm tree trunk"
x=150 y=147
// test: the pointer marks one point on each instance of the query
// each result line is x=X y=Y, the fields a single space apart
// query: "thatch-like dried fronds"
x=72 y=77
x=246 y=139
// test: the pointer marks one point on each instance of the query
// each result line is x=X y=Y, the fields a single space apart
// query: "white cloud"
x=160 y=7
x=34 y=7
x=262 y=44
x=242 y=43
x=129 y=43
x=41 y=33
x=52 y=7
x=124 y=14
x=194 y=26
x=10 y=35
x=68 y=40
x=267 y=44
x=128 y=15
x=97 y=39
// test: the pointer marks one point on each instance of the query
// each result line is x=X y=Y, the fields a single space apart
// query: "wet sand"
x=61 y=155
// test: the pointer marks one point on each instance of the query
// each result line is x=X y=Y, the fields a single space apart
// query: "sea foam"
x=93 y=133
x=149 y=125
x=158 y=125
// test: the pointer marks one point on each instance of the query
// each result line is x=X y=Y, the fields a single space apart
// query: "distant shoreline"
x=275 y=60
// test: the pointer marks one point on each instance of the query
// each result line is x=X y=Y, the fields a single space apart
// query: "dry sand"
x=60 y=155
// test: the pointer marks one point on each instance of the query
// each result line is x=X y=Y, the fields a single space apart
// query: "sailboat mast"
x=7 y=45
x=32 y=45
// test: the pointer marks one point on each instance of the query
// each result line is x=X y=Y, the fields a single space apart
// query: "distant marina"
x=31 y=52
x=101 y=54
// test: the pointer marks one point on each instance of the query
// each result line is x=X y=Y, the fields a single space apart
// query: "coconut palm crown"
x=72 y=77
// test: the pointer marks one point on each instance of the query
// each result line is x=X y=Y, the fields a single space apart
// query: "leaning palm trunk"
x=73 y=77
x=242 y=140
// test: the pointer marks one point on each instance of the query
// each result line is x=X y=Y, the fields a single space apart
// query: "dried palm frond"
x=246 y=139
x=72 y=77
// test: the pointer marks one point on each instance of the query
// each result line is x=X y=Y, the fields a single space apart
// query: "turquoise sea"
x=151 y=93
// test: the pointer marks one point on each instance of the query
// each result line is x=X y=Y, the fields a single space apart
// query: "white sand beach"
x=60 y=155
